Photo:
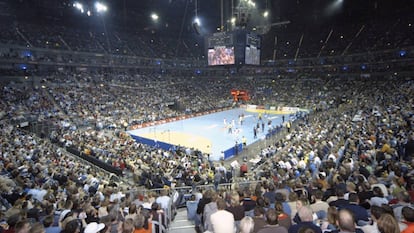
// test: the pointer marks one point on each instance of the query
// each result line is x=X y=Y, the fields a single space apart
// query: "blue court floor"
x=213 y=131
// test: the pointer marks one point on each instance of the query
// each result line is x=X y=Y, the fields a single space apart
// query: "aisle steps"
x=181 y=224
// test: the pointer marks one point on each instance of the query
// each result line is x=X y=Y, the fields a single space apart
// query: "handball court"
x=210 y=133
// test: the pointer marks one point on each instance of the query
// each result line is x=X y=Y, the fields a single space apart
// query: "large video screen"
x=221 y=55
x=252 y=55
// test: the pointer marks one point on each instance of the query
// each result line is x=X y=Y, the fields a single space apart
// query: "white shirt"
x=223 y=222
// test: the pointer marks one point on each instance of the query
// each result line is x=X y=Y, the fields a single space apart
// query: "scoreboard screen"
x=252 y=50
x=221 y=55
x=235 y=47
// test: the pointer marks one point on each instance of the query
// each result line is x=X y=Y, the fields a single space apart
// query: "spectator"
x=246 y=225
x=222 y=221
x=388 y=224
x=306 y=216
x=408 y=215
x=272 y=223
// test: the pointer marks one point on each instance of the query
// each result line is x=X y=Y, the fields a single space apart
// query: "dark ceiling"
x=176 y=15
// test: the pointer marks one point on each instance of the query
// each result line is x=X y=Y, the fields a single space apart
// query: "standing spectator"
x=222 y=221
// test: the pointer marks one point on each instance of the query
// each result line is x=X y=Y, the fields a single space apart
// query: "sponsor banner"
x=154 y=123
x=249 y=106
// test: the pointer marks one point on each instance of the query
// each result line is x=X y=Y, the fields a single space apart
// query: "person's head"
x=305 y=214
x=377 y=191
x=350 y=187
x=408 y=213
x=353 y=198
x=72 y=226
x=234 y=199
x=340 y=192
x=271 y=217
x=376 y=212
x=13 y=220
x=22 y=226
x=259 y=211
x=280 y=197
x=332 y=215
x=306 y=229
x=221 y=204
x=37 y=228
x=301 y=202
x=246 y=225
x=293 y=197
x=346 y=220
x=127 y=226
x=318 y=194
x=48 y=221
x=388 y=224
x=139 y=221
x=132 y=208
x=279 y=207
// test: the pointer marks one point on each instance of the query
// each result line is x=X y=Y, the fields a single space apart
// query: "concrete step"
x=181 y=224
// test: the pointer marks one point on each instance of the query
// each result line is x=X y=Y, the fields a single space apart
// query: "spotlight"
x=100 y=7
x=154 y=17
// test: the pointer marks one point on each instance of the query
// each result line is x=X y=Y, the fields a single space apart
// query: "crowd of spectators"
x=345 y=167
x=367 y=145
x=98 y=40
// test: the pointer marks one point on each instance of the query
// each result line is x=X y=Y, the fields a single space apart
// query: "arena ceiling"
x=177 y=15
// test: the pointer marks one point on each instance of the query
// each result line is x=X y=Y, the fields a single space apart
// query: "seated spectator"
x=272 y=223
x=403 y=200
x=360 y=214
x=319 y=205
x=408 y=215
x=222 y=221
x=378 y=199
x=376 y=213
x=48 y=225
x=259 y=218
x=246 y=225
x=282 y=217
x=346 y=222
x=340 y=199
x=306 y=216
x=331 y=222
x=388 y=224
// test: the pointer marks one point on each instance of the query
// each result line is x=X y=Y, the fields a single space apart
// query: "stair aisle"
x=181 y=224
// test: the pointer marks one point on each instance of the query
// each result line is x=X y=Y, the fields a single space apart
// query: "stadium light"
x=154 y=17
x=197 y=21
x=78 y=6
x=266 y=14
x=100 y=7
